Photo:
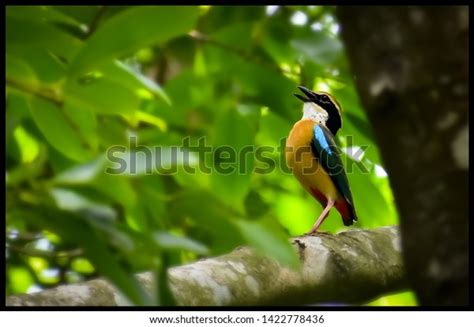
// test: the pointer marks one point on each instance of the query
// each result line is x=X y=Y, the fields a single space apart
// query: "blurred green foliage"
x=81 y=79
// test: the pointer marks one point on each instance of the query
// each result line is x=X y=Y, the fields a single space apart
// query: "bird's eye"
x=325 y=97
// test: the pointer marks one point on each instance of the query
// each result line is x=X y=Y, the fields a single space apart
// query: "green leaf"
x=19 y=279
x=153 y=198
x=235 y=130
x=356 y=125
x=48 y=15
x=83 y=14
x=102 y=95
x=261 y=84
x=115 y=88
x=82 y=266
x=19 y=72
x=73 y=228
x=117 y=188
x=221 y=16
x=73 y=201
x=173 y=242
x=133 y=29
x=296 y=213
x=144 y=117
x=187 y=92
x=239 y=31
x=40 y=13
x=27 y=144
x=266 y=237
x=132 y=78
x=406 y=298
x=320 y=48
x=27 y=171
x=113 y=131
x=80 y=174
x=214 y=217
x=136 y=162
x=275 y=41
x=372 y=208
x=32 y=35
x=272 y=129
x=60 y=132
x=45 y=66
x=86 y=122
x=255 y=206
x=164 y=295
x=137 y=219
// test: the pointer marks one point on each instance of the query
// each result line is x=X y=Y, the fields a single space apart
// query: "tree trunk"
x=411 y=72
x=350 y=267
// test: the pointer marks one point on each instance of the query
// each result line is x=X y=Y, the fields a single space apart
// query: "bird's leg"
x=321 y=218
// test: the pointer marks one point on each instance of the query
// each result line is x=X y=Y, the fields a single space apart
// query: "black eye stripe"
x=334 y=122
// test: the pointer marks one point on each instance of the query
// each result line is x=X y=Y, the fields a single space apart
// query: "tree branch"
x=43 y=92
x=351 y=267
x=52 y=95
x=95 y=21
x=239 y=52
x=44 y=254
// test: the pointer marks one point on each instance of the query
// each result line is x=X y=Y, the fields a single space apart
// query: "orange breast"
x=304 y=165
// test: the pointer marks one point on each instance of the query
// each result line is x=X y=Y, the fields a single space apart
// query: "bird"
x=313 y=157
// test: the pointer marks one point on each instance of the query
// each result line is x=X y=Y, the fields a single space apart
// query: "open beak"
x=309 y=94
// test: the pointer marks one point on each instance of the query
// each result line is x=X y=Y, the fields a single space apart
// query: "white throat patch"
x=314 y=112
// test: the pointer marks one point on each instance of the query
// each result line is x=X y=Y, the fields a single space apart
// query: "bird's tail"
x=347 y=212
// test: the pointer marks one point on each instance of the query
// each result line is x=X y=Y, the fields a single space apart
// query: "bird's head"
x=322 y=108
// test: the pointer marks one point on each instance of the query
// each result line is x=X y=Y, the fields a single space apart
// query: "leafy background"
x=80 y=79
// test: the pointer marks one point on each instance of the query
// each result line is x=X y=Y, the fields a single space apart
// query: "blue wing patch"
x=321 y=139
x=326 y=151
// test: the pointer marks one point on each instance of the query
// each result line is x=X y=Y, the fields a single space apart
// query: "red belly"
x=340 y=205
